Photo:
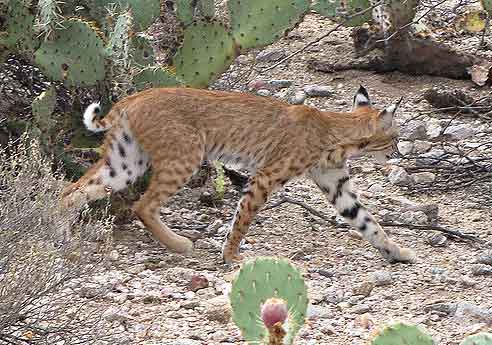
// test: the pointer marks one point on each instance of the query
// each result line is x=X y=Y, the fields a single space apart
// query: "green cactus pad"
x=19 y=28
x=207 y=50
x=144 y=12
x=185 y=11
x=142 y=51
x=155 y=77
x=43 y=106
x=207 y=8
x=478 y=339
x=259 y=280
x=256 y=23
x=487 y=5
x=341 y=9
x=75 y=56
x=402 y=334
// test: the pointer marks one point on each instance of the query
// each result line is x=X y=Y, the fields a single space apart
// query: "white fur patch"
x=90 y=115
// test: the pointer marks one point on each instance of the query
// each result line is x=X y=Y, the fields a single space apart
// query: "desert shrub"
x=46 y=255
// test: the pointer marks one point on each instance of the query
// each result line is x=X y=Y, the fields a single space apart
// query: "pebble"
x=218 y=309
x=405 y=147
x=414 y=217
x=318 y=90
x=467 y=281
x=485 y=258
x=279 y=83
x=270 y=55
x=360 y=309
x=298 y=97
x=365 y=288
x=420 y=146
x=198 y=282
x=399 y=177
x=459 y=132
x=414 y=130
x=423 y=177
x=264 y=92
x=430 y=158
x=481 y=270
x=381 y=278
x=437 y=240
x=136 y=269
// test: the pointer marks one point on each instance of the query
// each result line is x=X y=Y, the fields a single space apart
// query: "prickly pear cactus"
x=155 y=77
x=185 y=11
x=207 y=50
x=487 y=6
x=142 y=52
x=76 y=55
x=207 y=8
x=19 y=28
x=342 y=9
x=42 y=109
x=257 y=23
x=257 y=282
x=478 y=339
x=402 y=334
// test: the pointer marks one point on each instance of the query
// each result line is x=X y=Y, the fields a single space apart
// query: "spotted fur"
x=174 y=130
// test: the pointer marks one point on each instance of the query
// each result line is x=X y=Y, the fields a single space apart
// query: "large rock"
x=318 y=90
x=269 y=55
x=423 y=177
x=218 y=309
x=414 y=130
x=459 y=132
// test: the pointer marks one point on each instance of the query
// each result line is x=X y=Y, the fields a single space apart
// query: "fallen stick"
x=454 y=234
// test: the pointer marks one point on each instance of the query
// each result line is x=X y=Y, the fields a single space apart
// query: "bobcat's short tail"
x=90 y=121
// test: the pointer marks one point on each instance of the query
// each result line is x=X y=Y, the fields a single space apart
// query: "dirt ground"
x=150 y=299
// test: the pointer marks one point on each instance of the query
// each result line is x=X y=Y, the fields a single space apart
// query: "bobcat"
x=174 y=129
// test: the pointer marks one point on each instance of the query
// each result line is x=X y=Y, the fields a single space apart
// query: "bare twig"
x=455 y=234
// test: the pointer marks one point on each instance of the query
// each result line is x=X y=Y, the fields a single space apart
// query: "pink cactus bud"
x=274 y=310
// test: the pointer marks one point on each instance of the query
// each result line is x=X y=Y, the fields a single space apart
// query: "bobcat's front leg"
x=335 y=184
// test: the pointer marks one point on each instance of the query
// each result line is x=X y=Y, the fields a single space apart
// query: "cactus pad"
x=257 y=23
x=185 y=11
x=256 y=282
x=341 y=9
x=401 y=334
x=142 y=51
x=44 y=105
x=76 y=56
x=207 y=50
x=155 y=77
x=19 y=28
x=478 y=339
x=117 y=46
x=207 y=8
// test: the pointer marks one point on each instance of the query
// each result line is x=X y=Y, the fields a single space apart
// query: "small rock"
x=459 y=132
x=430 y=158
x=398 y=176
x=417 y=217
x=437 y=240
x=444 y=308
x=481 y=270
x=114 y=255
x=257 y=84
x=218 y=309
x=433 y=130
x=198 y=282
x=204 y=244
x=136 y=269
x=298 y=97
x=365 y=288
x=381 y=278
x=360 y=309
x=414 y=130
x=376 y=188
x=270 y=55
x=279 y=83
x=485 y=258
x=420 y=146
x=405 y=147
x=423 y=177
x=318 y=311
x=264 y=93
x=115 y=314
x=318 y=90
x=467 y=281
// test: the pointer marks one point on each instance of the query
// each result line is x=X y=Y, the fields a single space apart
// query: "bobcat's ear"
x=385 y=117
x=361 y=98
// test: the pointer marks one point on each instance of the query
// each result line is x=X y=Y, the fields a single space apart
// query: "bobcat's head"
x=382 y=145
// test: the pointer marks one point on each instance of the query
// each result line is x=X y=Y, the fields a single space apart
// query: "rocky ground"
x=352 y=289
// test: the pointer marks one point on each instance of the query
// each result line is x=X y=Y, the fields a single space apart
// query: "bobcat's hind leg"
x=173 y=164
x=335 y=184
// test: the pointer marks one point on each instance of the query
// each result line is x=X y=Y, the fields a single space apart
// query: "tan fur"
x=178 y=128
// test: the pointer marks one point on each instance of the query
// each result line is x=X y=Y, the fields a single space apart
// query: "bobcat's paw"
x=182 y=245
x=394 y=253
x=230 y=255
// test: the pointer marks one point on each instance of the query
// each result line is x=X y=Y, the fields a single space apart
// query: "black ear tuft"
x=361 y=98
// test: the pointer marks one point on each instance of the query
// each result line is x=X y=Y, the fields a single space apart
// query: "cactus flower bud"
x=274 y=310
